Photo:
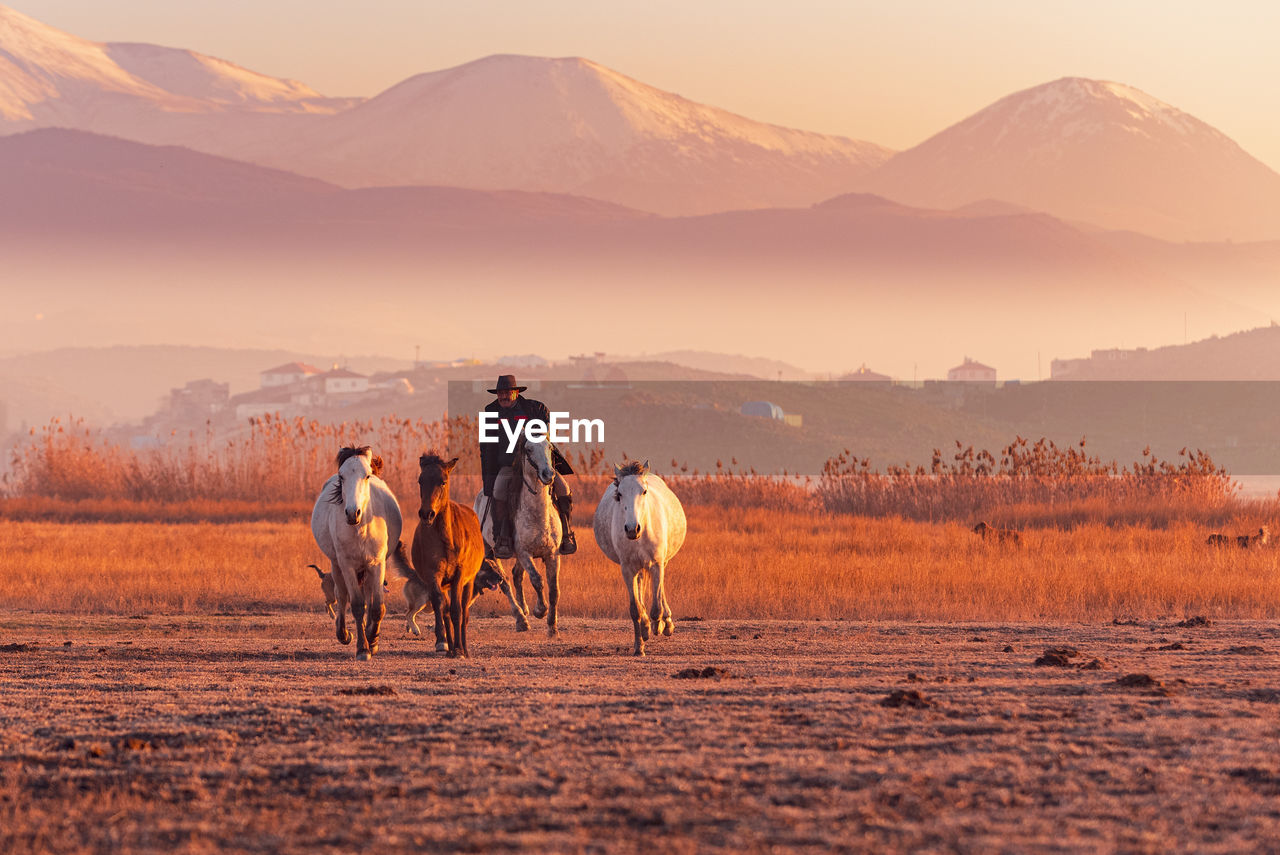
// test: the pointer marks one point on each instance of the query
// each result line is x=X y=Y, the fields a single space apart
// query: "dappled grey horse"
x=356 y=523
x=537 y=531
x=640 y=525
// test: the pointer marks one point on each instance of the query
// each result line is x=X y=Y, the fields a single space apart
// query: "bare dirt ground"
x=261 y=733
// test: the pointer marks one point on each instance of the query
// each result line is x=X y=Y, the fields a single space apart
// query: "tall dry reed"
x=1033 y=482
x=273 y=470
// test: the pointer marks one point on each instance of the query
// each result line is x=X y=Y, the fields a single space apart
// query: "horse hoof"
x=345 y=639
x=639 y=651
x=414 y=629
x=539 y=611
x=644 y=631
x=522 y=626
x=667 y=628
x=552 y=632
x=364 y=656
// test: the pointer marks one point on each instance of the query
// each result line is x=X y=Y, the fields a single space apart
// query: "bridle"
x=524 y=456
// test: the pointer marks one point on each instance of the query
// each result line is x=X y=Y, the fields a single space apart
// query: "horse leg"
x=437 y=608
x=377 y=609
x=666 y=626
x=552 y=565
x=341 y=591
x=357 y=614
x=468 y=593
x=517 y=586
x=455 y=620
x=629 y=580
x=661 y=612
x=638 y=582
x=535 y=579
x=445 y=593
x=518 y=611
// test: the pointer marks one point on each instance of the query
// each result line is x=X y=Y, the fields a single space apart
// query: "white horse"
x=537 y=531
x=356 y=522
x=640 y=525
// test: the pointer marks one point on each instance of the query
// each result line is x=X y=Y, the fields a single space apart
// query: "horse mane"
x=346 y=453
x=633 y=468
x=431 y=459
x=349 y=451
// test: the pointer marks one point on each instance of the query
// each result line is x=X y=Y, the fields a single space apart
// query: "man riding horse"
x=499 y=478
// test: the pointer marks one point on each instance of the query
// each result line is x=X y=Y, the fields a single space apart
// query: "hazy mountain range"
x=112 y=241
x=1082 y=150
x=523 y=218
x=500 y=123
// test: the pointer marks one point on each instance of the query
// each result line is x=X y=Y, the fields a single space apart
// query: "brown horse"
x=447 y=551
x=489 y=578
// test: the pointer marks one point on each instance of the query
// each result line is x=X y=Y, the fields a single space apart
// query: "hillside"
x=1097 y=152
x=1248 y=355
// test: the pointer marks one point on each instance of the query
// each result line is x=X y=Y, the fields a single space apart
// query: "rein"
x=524 y=479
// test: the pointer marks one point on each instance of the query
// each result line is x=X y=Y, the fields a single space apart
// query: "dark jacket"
x=494 y=455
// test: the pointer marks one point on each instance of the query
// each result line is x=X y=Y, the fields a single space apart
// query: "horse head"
x=630 y=489
x=355 y=468
x=537 y=455
x=433 y=485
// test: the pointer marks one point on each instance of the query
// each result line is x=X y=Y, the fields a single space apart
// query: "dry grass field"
x=258 y=733
x=853 y=670
x=738 y=563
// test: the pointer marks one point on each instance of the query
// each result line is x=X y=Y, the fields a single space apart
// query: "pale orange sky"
x=889 y=72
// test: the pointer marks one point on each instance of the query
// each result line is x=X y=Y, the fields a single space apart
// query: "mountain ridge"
x=1093 y=151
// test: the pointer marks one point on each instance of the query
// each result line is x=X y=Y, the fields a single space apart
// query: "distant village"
x=298 y=388
x=291 y=389
x=301 y=389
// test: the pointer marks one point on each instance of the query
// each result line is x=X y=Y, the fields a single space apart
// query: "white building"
x=287 y=375
x=340 y=381
x=972 y=371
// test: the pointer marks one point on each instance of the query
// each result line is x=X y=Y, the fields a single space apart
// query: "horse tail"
x=319 y=572
x=399 y=561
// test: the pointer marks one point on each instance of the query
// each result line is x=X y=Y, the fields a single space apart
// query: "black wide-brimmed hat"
x=507 y=382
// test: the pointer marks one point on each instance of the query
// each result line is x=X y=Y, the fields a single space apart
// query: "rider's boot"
x=502 y=542
x=568 y=544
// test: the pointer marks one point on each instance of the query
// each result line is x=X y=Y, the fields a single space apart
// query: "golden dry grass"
x=737 y=563
x=67 y=471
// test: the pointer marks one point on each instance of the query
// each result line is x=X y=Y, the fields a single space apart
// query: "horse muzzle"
x=546 y=476
x=353 y=517
x=428 y=515
x=631 y=533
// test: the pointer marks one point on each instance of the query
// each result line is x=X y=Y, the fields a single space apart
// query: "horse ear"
x=617 y=472
x=376 y=465
x=448 y=467
x=644 y=468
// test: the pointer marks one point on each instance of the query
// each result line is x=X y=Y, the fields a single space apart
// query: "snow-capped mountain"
x=573 y=126
x=194 y=75
x=1097 y=152
x=504 y=122
x=52 y=78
